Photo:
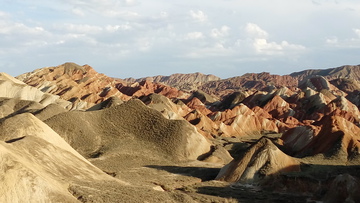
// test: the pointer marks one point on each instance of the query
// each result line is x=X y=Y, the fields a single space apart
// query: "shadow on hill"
x=315 y=182
x=203 y=173
x=245 y=193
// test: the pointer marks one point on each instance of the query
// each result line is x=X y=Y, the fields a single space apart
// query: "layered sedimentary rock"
x=331 y=136
x=181 y=81
x=145 y=88
x=81 y=85
x=261 y=160
x=15 y=89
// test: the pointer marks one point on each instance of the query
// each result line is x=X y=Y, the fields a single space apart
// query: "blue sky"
x=137 y=38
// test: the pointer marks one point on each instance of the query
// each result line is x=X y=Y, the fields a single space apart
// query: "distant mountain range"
x=212 y=84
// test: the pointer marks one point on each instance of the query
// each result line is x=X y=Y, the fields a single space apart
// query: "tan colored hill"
x=37 y=165
x=129 y=129
x=185 y=82
x=348 y=72
x=17 y=97
x=13 y=88
x=260 y=160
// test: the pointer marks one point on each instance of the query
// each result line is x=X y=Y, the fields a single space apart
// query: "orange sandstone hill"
x=81 y=85
x=84 y=87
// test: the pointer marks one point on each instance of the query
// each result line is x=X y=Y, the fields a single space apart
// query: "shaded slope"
x=260 y=160
x=128 y=127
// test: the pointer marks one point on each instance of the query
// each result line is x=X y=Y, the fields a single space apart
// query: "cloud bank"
x=134 y=38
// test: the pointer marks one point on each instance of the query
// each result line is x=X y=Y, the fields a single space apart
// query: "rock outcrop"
x=331 y=136
x=259 y=161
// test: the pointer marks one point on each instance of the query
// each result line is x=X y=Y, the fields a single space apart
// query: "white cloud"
x=218 y=31
x=164 y=14
x=357 y=31
x=258 y=39
x=194 y=35
x=215 y=50
x=78 y=12
x=12 y=28
x=254 y=31
x=332 y=40
x=222 y=32
x=114 y=28
x=144 y=44
x=121 y=13
x=130 y=2
x=3 y=14
x=198 y=15
x=353 y=42
x=80 y=28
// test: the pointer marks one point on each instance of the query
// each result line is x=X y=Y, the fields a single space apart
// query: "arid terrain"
x=71 y=134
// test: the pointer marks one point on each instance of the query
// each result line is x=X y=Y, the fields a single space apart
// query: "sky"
x=138 y=38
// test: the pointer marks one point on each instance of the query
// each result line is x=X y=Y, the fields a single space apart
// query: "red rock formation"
x=145 y=88
x=278 y=108
x=242 y=125
x=231 y=113
x=195 y=103
x=204 y=125
x=74 y=83
x=248 y=81
x=332 y=136
x=260 y=112
x=341 y=105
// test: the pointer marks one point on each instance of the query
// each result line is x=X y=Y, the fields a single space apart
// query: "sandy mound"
x=261 y=160
x=130 y=128
x=37 y=165
x=112 y=101
x=164 y=105
x=12 y=88
x=13 y=106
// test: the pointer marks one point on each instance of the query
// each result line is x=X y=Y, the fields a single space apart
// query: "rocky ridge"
x=185 y=82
